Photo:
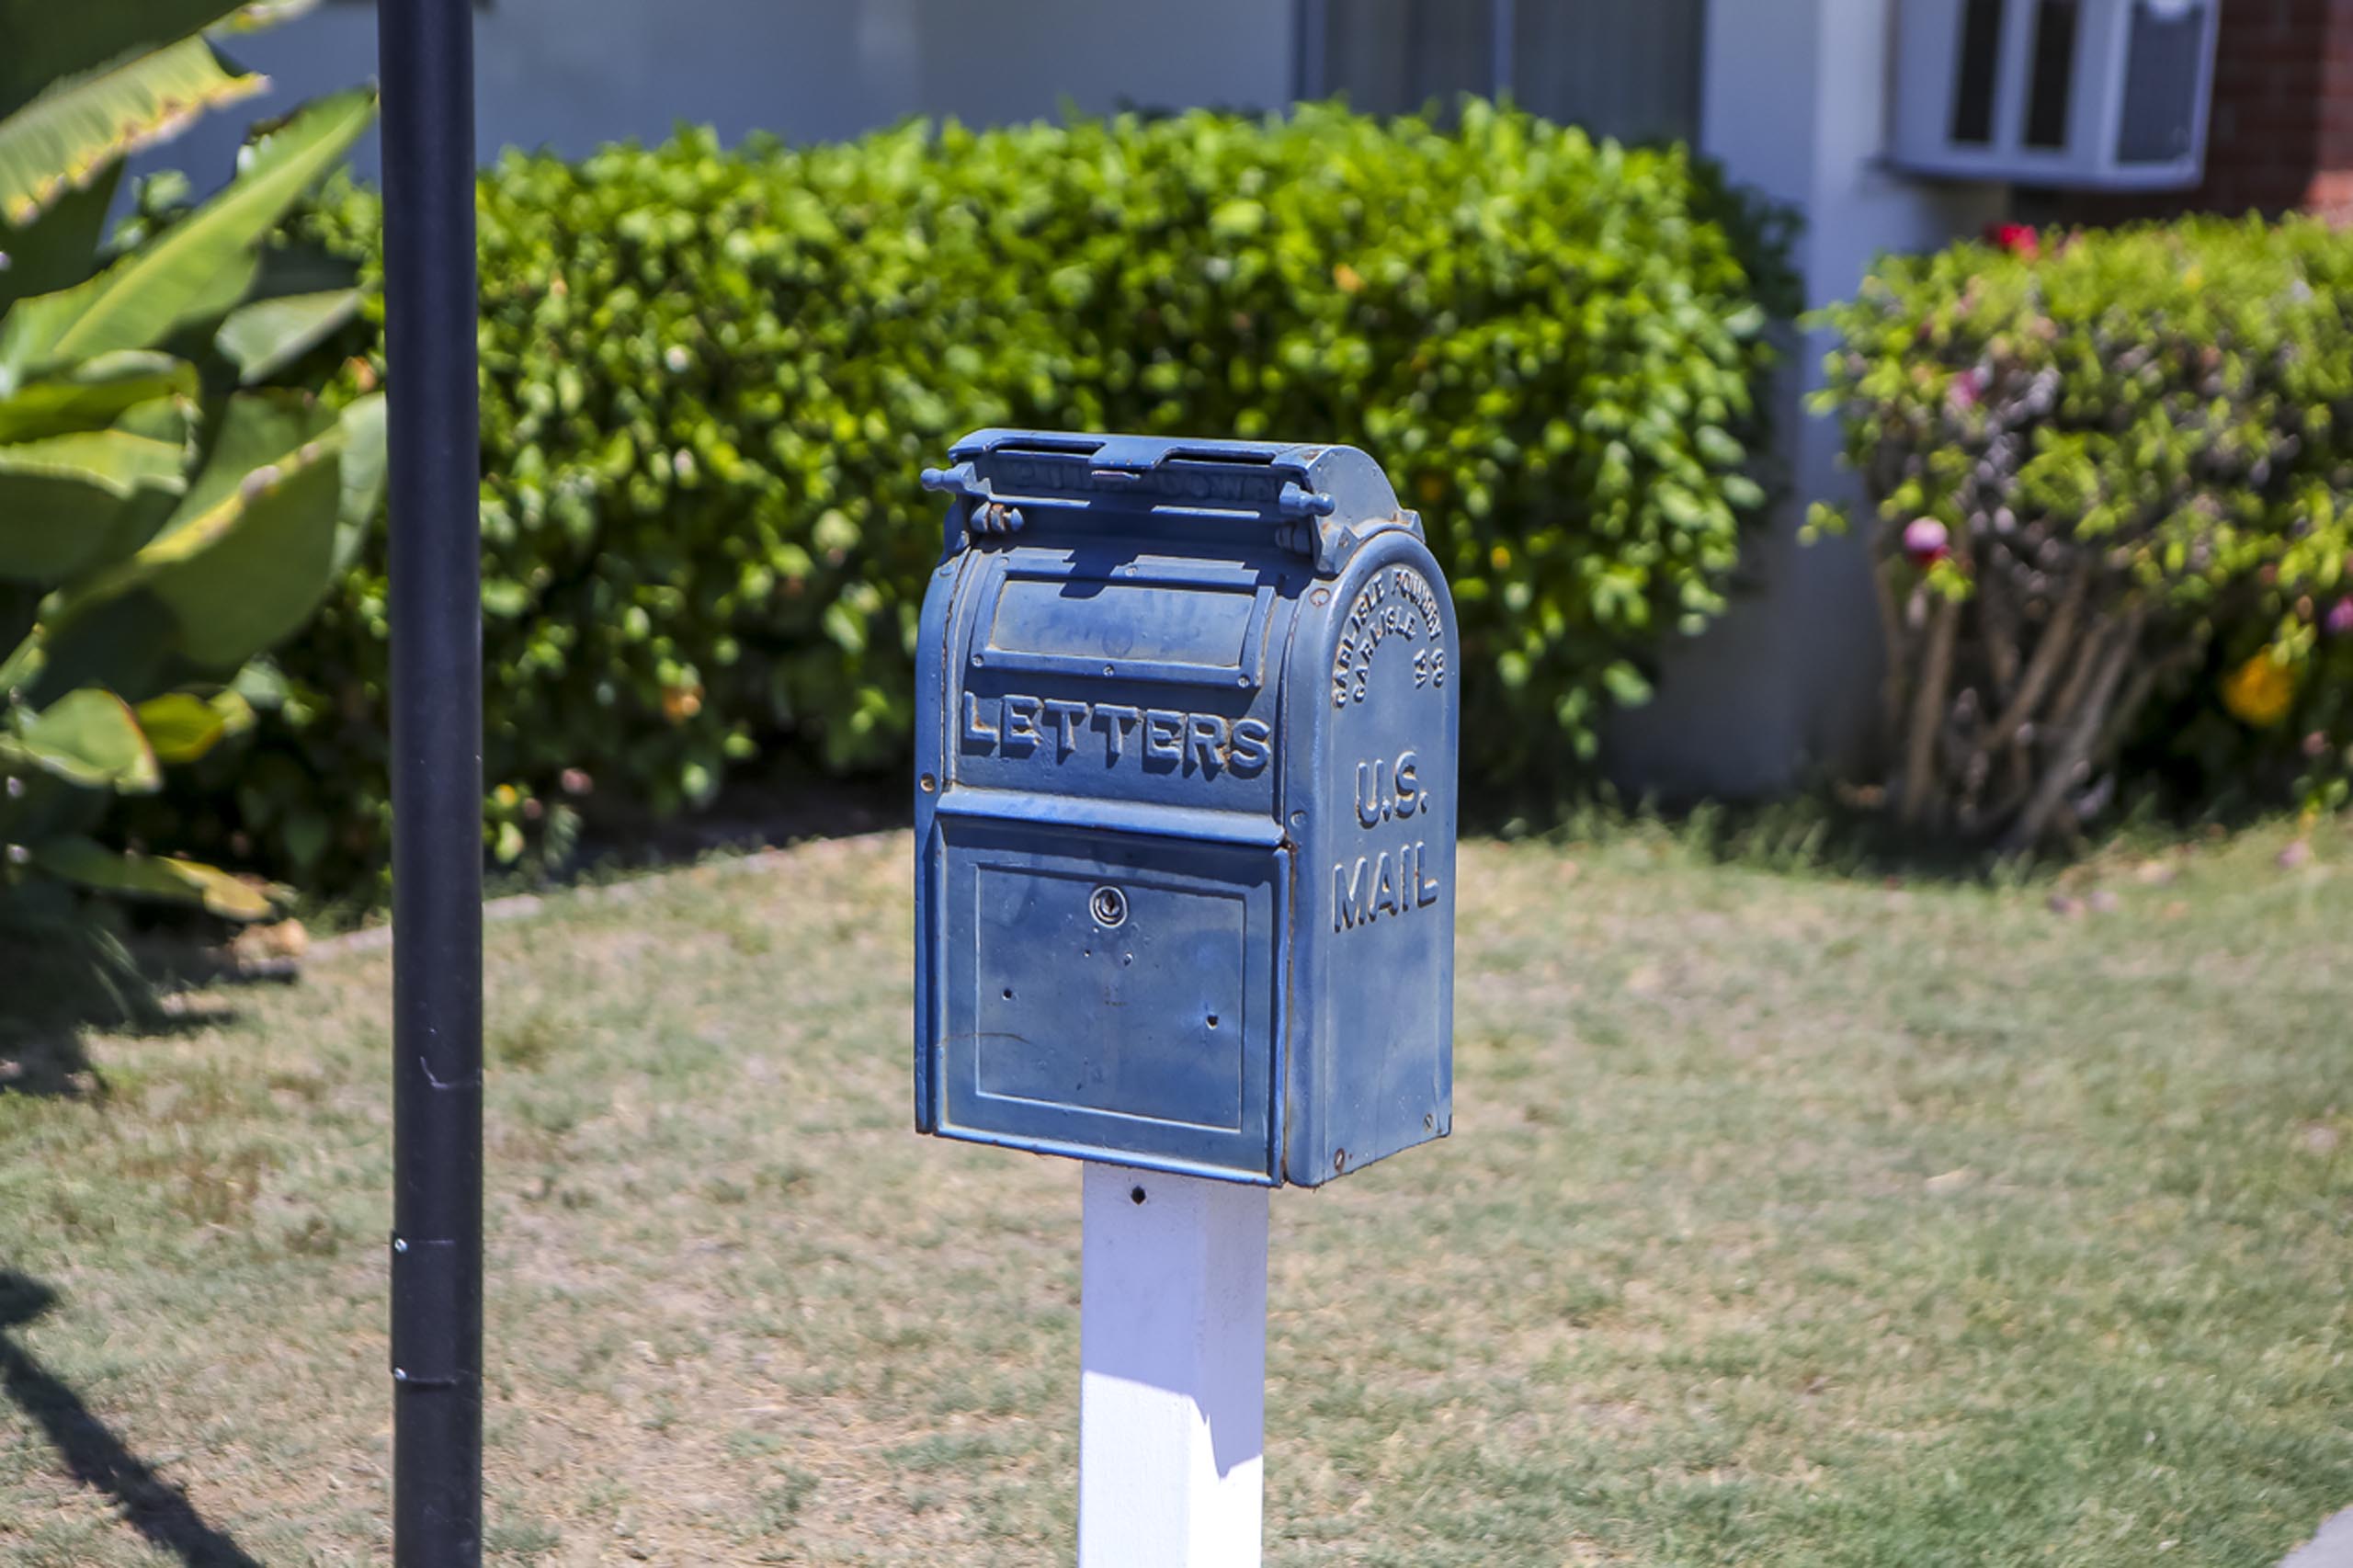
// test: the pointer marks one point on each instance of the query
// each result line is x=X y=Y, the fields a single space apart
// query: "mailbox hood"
x=1318 y=500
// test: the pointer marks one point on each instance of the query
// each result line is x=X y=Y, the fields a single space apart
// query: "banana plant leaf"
x=87 y=863
x=24 y=663
x=255 y=14
x=264 y=336
x=195 y=271
x=60 y=247
x=124 y=644
x=119 y=462
x=84 y=123
x=88 y=737
x=85 y=459
x=247 y=554
x=93 y=395
x=182 y=726
x=363 y=477
x=71 y=501
x=48 y=40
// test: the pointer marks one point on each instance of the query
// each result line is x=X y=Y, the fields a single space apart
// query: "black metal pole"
x=426 y=62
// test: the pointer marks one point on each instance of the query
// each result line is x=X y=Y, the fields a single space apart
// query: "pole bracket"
x=429 y=1318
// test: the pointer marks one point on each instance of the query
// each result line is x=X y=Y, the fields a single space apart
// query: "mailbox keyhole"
x=1109 y=907
x=1008 y=993
x=1213 y=1020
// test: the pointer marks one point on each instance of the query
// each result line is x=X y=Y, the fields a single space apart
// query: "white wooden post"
x=1173 y=1371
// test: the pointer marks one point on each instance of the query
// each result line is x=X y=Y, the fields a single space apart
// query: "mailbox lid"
x=1107 y=989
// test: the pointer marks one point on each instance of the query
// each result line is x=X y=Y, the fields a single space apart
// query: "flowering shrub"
x=2110 y=479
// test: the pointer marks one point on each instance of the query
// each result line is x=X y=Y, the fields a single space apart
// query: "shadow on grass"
x=91 y=1453
x=59 y=992
x=749 y=815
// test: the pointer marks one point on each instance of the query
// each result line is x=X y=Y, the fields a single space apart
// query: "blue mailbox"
x=1185 y=811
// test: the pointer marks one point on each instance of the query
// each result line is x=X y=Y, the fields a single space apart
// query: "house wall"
x=572 y=73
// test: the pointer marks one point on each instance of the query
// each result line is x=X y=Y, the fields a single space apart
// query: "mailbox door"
x=1106 y=992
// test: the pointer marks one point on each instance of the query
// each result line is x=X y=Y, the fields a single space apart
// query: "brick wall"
x=2282 y=130
x=2331 y=190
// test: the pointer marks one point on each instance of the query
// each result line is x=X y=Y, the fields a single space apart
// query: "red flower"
x=2018 y=239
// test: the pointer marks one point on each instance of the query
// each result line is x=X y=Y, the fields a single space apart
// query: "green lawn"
x=1789 y=1220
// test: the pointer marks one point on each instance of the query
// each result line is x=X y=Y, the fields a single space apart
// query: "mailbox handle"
x=1318 y=497
x=1292 y=501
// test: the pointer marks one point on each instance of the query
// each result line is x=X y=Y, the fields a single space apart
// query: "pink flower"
x=2339 y=621
x=1926 y=543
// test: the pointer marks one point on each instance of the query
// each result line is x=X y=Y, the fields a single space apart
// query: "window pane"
x=2052 y=87
x=1626 y=70
x=1394 y=56
x=1981 y=49
x=2161 y=84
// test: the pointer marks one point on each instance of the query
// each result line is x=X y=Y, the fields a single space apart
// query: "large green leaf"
x=247 y=554
x=255 y=14
x=363 y=477
x=59 y=247
x=118 y=462
x=87 y=863
x=82 y=123
x=182 y=726
x=49 y=39
x=124 y=644
x=94 y=395
x=23 y=665
x=91 y=738
x=65 y=503
x=266 y=335
x=89 y=462
x=197 y=269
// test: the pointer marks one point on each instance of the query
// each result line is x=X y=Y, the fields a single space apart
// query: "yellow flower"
x=2259 y=692
x=680 y=703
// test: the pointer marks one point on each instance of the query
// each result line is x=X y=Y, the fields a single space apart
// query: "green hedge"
x=2153 y=425
x=709 y=380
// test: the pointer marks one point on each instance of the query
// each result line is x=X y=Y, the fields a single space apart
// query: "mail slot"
x=1185 y=809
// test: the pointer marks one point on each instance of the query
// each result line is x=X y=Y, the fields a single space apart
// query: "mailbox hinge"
x=982 y=513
